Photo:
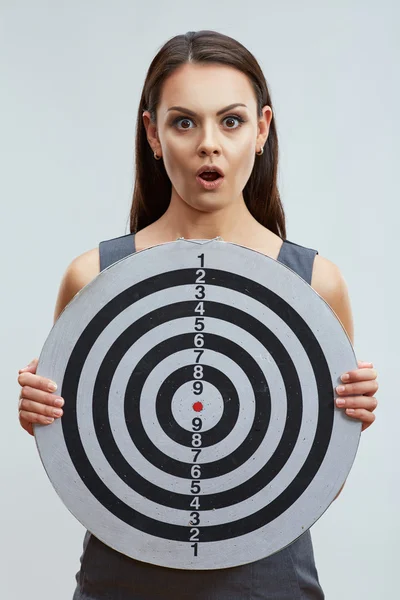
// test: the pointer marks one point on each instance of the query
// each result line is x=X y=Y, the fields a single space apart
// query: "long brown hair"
x=152 y=190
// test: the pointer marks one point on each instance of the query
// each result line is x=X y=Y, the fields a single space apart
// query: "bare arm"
x=38 y=403
x=329 y=283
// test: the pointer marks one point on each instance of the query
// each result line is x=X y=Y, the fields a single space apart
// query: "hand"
x=358 y=398
x=37 y=401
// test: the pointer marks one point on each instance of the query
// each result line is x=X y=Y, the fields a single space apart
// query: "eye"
x=176 y=121
x=232 y=117
x=238 y=118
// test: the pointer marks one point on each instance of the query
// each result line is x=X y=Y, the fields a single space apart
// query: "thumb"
x=31 y=367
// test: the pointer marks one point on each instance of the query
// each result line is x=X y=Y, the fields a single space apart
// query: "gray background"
x=71 y=77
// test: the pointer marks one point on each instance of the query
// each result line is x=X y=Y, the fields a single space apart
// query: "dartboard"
x=199 y=427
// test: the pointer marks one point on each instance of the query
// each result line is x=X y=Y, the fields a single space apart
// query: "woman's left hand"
x=357 y=397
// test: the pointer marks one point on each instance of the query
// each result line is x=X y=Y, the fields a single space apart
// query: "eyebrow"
x=193 y=114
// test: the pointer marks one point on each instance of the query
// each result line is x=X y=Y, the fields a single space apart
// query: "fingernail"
x=57 y=412
x=350 y=411
x=49 y=420
x=340 y=401
x=52 y=386
x=345 y=377
x=340 y=388
x=59 y=402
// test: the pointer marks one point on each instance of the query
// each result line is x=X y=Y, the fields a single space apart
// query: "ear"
x=151 y=133
x=263 y=126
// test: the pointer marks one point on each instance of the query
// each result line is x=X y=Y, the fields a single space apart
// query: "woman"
x=205 y=104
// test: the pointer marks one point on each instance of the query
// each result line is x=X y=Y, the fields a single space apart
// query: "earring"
x=157 y=157
x=261 y=151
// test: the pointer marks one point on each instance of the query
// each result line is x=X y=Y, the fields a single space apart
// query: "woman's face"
x=195 y=135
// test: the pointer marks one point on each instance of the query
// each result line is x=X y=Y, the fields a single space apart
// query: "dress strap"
x=115 y=249
x=298 y=258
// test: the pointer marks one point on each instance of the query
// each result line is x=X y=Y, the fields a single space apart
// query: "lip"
x=210 y=185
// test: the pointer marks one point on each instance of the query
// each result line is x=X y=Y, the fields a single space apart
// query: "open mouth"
x=210 y=176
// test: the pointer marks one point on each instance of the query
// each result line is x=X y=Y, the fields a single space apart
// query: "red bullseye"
x=198 y=406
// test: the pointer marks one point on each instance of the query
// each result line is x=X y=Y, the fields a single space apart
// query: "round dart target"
x=199 y=427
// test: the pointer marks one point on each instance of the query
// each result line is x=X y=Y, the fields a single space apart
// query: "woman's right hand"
x=37 y=401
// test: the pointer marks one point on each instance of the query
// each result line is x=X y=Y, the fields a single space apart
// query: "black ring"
x=165 y=395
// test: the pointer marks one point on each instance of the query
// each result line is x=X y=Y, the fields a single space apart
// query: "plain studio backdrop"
x=71 y=77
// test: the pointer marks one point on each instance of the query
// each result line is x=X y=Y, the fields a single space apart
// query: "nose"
x=209 y=143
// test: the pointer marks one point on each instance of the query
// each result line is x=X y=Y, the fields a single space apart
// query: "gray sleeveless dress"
x=290 y=574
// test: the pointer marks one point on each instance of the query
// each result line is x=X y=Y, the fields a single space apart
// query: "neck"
x=229 y=222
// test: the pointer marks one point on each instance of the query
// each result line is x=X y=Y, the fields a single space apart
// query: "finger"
x=36 y=381
x=366 y=402
x=27 y=426
x=365 y=416
x=39 y=408
x=359 y=375
x=363 y=364
x=368 y=388
x=40 y=396
x=31 y=417
x=31 y=367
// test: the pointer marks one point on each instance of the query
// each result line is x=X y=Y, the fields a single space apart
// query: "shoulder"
x=328 y=281
x=326 y=277
x=85 y=267
x=79 y=273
